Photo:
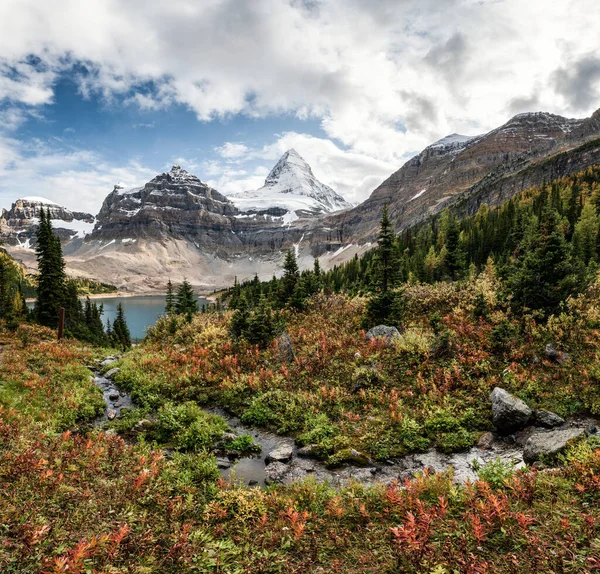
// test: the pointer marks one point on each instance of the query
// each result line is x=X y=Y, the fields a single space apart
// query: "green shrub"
x=495 y=473
x=187 y=427
x=243 y=443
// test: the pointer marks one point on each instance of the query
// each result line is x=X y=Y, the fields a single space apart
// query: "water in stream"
x=253 y=470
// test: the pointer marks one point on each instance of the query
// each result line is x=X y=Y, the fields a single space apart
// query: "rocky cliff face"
x=459 y=166
x=18 y=225
x=176 y=226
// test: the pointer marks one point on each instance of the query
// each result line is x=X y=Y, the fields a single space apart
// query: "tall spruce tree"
x=386 y=305
x=186 y=303
x=290 y=276
x=542 y=274
x=120 y=335
x=387 y=264
x=51 y=273
x=170 y=299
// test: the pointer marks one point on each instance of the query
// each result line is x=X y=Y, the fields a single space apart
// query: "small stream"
x=253 y=470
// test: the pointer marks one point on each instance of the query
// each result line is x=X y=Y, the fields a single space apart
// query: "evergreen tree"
x=542 y=275
x=387 y=264
x=120 y=336
x=51 y=273
x=239 y=320
x=317 y=267
x=290 y=276
x=186 y=303
x=452 y=255
x=170 y=299
x=586 y=234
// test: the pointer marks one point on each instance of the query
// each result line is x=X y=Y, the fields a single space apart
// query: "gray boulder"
x=285 y=347
x=307 y=451
x=114 y=396
x=276 y=472
x=110 y=374
x=142 y=425
x=486 y=441
x=551 y=352
x=549 y=444
x=555 y=355
x=547 y=419
x=510 y=414
x=383 y=332
x=282 y=453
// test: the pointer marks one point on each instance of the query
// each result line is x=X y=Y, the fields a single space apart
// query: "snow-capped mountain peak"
x=290 y=191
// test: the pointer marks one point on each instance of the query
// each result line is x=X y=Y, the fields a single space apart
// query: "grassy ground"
x=342 y=392
x=73 y=501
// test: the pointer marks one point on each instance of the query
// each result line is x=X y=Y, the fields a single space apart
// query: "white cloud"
x=232 y=150
x=384 y=78
x=78 y=179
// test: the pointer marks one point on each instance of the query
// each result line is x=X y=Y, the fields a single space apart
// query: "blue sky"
x=108 y=91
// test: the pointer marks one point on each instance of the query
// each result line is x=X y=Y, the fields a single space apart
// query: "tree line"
x=55 y=291
x=545 y=243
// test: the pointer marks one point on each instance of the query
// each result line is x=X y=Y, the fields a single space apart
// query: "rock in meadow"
x=282 y=453
x=486 y=440
x=510 y=414
x=549 y=444
x=276 y=472
x=285 y=348
x=307 y=451
x=383 y=332
x=547 y=419
x=142 y=425
x=110 y=374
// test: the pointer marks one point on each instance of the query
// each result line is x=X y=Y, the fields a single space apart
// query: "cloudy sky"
x=97 y=92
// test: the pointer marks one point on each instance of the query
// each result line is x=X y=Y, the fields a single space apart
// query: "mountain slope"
x=291 y=191
x=456 y=166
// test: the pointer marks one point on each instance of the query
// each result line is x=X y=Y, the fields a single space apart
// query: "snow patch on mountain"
x=37 y=199
x=292 y=188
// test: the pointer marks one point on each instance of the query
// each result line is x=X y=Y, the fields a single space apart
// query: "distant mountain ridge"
x=455 y=167
x=18 y=225
x=176 y=226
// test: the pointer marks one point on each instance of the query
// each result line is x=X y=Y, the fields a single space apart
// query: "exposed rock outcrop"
x=549 y=444
x=18 y=225
x=509 y=413
x=383 y=332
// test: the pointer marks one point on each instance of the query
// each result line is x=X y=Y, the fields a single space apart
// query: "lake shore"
x=126 y=294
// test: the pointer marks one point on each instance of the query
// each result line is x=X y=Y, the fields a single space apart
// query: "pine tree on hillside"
x=586 y=234
x=452 y=255
x=543 y=274
x=290 y=276
x=385 y=306
x=186 y=303
x=51 y=273
x=387 y=264
x=120 y=336
x=170 y=299
x=317 y=267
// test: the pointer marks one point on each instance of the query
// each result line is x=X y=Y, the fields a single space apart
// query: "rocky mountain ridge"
x=18 y=225
x=176 y=226
x=457 y=167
